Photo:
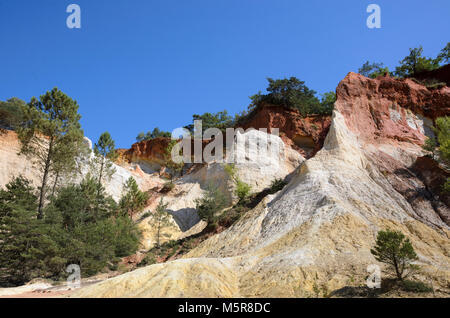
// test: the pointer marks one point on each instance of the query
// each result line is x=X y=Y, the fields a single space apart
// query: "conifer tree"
x=105 y=155
x=50 y=135
x=161 y=219
x=134 y=200
x=26 y=250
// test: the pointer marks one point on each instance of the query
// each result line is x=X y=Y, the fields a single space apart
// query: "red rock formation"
x=303 y=134
x=151 y=151
x=388 y=108
x=391 y=117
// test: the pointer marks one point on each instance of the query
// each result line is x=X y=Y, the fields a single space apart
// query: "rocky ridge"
x=317 y=232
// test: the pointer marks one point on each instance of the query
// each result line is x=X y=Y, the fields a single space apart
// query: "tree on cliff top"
x=220 y=120
x=152 y=135
x=415 y=63
x=444 y=56
x=373 y=70
x=51 y=135
x=11 y=113
x=292 y=93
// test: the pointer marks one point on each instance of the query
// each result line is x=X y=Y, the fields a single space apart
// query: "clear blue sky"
x=138 y=64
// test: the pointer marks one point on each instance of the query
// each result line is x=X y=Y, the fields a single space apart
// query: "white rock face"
x=317 y=232
x=261 y=158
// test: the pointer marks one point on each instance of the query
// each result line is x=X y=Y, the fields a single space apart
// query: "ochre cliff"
x=314 y=237
x=150 y=152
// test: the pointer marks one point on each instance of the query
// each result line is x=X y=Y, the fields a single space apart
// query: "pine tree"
x=161 y=219
x=395 y=250
x=444 y=56
x=51 y=125
x=26 y=249
x=105 y=155
x=415 y=63
x=134 y=200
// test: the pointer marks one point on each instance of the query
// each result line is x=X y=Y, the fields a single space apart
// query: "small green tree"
x=134 y=200
x=71 y=155
x=105 y=155
x=443 y=137
x=51 y=125
x=446 y=187
x=161 y=219
x=373 y=70
x=212 y=202
x=430 y=145
x=394 y=249
x=327 y=103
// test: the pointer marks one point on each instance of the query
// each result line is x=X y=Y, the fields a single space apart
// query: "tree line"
x=413 y=64
x=44 y=229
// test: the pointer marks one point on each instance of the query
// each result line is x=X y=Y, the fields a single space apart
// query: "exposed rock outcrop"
x=305 y=134
x=316 y=233
x=148 y=154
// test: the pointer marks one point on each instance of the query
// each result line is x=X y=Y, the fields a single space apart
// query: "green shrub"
x=443 y=137
x=168 y=186
x=242 y=190
x=277 y=185
x=415 y=287
x=446 y=187
x=149 y=259
x=212 y=202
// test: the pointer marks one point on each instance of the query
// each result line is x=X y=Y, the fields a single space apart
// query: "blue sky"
x=138 y=64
